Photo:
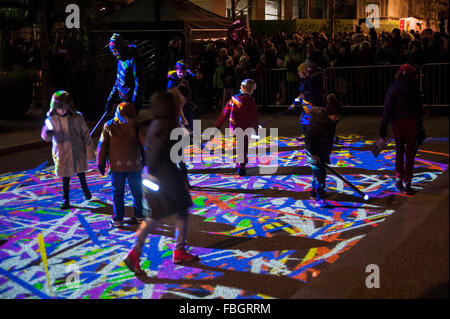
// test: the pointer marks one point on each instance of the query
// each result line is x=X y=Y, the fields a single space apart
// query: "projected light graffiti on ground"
x=245 y=229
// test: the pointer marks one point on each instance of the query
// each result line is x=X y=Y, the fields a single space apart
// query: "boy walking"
x=120 y=143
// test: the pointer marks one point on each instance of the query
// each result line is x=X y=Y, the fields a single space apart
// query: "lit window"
x=273 y=9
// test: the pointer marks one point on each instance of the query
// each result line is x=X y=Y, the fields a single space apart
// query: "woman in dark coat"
x=403 y=108
x=168 y=192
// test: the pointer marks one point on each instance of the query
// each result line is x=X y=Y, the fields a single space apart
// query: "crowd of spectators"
x=214 y=61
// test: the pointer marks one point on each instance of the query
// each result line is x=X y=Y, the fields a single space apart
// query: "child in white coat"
x=71 y=143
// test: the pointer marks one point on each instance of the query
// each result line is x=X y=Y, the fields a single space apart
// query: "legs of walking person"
x=118 y=187
x=133 y=258
x=181 y=224
x=135 y=182
x=82 y=178
x=66 y=196
x=410 y=153
x=242 y=155
x=398 y=131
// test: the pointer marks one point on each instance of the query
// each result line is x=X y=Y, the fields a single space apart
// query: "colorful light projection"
x=253 y=233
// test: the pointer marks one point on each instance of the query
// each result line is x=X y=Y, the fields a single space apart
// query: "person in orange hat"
x=403 y=108
x=120 y=143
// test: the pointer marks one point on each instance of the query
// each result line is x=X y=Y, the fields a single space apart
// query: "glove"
x=101 y=169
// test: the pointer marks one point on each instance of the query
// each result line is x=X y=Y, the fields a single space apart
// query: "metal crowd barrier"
x=356 y=86
x=434 y=84
x=273 y=89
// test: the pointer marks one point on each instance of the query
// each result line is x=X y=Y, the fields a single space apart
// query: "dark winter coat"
x=172 y=183
x=129 y=85
x=403 y=100
x=320 y=134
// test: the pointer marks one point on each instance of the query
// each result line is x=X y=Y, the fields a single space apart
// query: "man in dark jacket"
x=403 y=108
x=129 y=85
x=120 y=143
x=319 y=143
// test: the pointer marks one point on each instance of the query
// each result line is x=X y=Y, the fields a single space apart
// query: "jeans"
x=118 y=184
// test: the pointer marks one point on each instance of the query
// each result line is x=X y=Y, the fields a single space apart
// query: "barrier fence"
x=361 y=86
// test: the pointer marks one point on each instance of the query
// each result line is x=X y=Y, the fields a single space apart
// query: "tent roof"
x=145 y=11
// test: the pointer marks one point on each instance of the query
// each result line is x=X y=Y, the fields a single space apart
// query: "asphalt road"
x=363 y=125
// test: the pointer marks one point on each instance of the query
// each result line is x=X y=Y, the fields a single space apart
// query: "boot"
x=399 y=184
x=321 y=193
x=133 y=262
x=65 y=205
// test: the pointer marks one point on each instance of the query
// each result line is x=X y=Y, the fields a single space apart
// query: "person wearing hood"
x=403 y=108
x=241 y=111
x=129 y=85
x=71 y=143
x=310 y=90
x=121 y=144
x=319 y=143
x=167 y=193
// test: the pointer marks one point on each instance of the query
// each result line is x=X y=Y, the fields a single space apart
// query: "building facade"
x=428 y=10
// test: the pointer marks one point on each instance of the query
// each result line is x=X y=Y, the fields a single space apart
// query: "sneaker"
x=65 y=205
x=88 y=196
x=313 y=194
x=116 y=223
x=399 y=184
x=408 y=190
x=133 y=262
x=179 y=256
x=321 y=193
x=137 y=220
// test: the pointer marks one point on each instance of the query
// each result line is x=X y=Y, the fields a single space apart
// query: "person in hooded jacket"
x=169 y=194
x=71 y=143
x=120 y=144
x=129 y=85
x=241 y=111
x=403 y=108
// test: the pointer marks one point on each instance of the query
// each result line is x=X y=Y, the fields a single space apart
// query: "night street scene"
x=225 y=154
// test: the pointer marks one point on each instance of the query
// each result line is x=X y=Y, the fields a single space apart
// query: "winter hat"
x=248 y=86
x=116 y=41
x=124 y=109
x=180 y=65
x=333 y=106
x=406 y=72
x=61 y=99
